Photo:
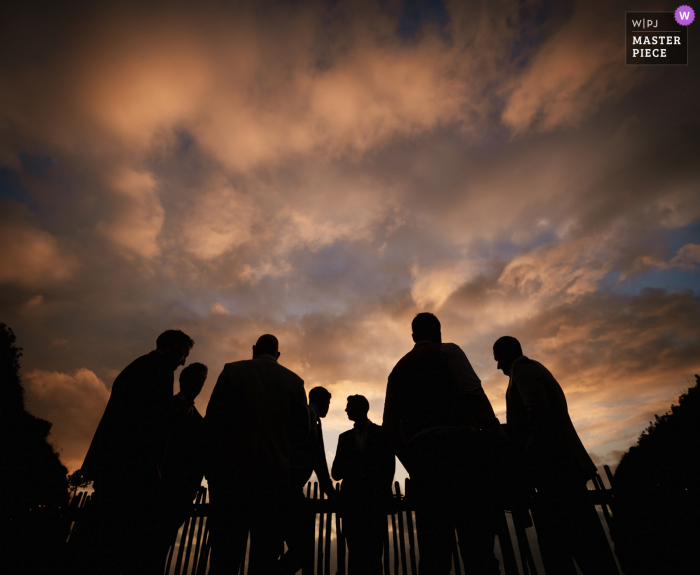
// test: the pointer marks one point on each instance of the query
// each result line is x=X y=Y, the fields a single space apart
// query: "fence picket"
x=339 y=539
x=411 y=533
x=400 y=557
x=396 y=542
x=402 y=542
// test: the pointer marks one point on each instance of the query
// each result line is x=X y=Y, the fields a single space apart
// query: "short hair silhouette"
x=319 y=394
x=174 y=337
x=267 y=344
x=188 y=375
x=425 y=325
x=508 y=345
x=360 y=400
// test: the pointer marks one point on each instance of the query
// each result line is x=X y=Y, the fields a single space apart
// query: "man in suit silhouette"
x=555 y=463
x=308 y=456
x=126 y=454
x=257 y=411
x=319 y=403
x=365 y=463
x=434 y=407
x=183 y=466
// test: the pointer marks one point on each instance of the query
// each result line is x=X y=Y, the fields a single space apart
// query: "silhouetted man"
x=556 y=464
x=183 y=467
x=308 y=456
x=126 y=453
x=433 y=409
x=319 y=404
x=256 y=412
x=365 y=463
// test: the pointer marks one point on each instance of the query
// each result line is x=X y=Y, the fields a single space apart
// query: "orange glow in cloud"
x=317 y=172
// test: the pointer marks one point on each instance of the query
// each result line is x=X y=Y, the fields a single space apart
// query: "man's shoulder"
x=140 y=367
x=149 y=359
x=525 y=366
x=263 y=366
x=347 y=434
x=407 y=358
x=449 y=347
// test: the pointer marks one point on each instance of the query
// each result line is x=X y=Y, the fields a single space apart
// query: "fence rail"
x=189 y=553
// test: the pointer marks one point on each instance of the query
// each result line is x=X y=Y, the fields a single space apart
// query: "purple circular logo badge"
x=684 y=15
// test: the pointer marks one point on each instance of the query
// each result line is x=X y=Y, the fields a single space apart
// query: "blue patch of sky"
x=185 y=141
x=678 y=237
x=531 y=23
x=673 y=279
x=668 y=280
x=12 y=189
x=414 y=13
x=531 y=34
x=36 y=165
x=505 y=249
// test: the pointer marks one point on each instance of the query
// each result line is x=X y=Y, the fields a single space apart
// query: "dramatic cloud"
x=73 y=403
x=30 y=256
x=325 y=170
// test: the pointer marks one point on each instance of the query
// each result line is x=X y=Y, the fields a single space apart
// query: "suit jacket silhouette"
x=309 y=455
x=368 y=473
x=257 y=410
x=131 y=438
x=539 y=422
x=183 y=466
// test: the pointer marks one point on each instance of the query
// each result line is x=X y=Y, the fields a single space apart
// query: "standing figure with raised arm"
x=366 y=464
x=434 y=409
x=257 y=411
x=126 y=455
x=555 y=463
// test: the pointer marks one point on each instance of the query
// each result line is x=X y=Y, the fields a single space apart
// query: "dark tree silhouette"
x=33 y=481
x=658 y=494
x=77 y=481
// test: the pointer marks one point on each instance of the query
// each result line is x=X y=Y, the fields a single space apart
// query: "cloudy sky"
x=324 y=171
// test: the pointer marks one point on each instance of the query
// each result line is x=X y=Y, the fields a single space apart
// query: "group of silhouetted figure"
x=261 y=440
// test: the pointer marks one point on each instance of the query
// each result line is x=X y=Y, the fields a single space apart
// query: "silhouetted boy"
x=257 y=411
x=183 y=467
x=308 y=456
x=312 y=456
x=365 y=463
x=125 y=456
x=434 y=406
x=556 y=464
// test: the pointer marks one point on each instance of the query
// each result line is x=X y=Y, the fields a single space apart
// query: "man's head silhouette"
x=426 y=327
x=321 y=398
x=192 y=380
x=505 y=351
x=357 y=408
x=174 y=345
x=266 y=345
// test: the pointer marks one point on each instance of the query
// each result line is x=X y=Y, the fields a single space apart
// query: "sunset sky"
x=323 y=171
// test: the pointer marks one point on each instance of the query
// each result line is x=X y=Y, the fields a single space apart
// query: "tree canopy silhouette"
x=658 y=493
x=32 y=474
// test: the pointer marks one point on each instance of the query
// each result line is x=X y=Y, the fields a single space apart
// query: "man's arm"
x=387 y=459
x=391 y=424
x=342 y=460
x=469 y=385
x=301 y=420
x=218 y=416
x=529 y=382
x=321 y=469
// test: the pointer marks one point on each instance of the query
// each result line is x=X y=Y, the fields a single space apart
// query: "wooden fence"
x=189 y=553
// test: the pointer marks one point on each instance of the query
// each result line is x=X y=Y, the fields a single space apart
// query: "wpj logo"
x=658 y=38
x=684 y=15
